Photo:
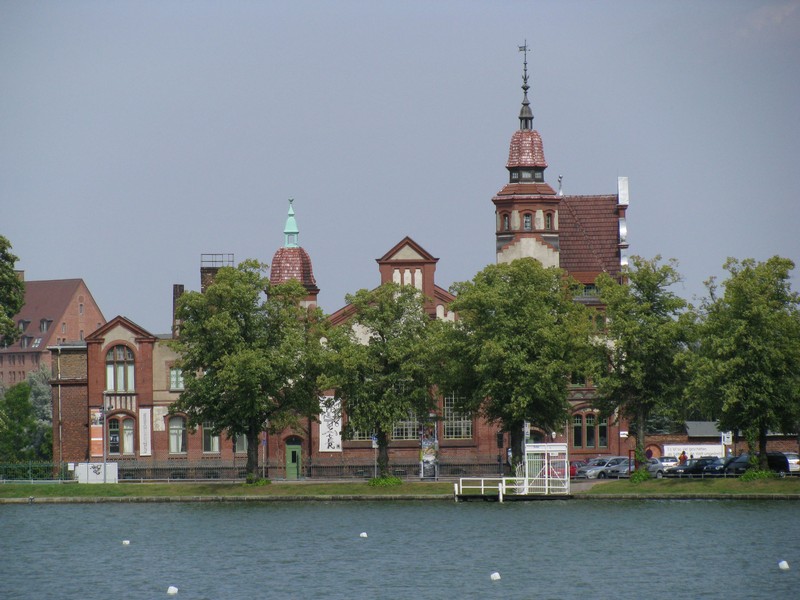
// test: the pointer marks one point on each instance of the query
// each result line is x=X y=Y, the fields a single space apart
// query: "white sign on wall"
x=145 y=447
x=695 y=451
x=330 y=424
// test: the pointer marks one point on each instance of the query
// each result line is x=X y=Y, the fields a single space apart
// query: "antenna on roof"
x=560 y=191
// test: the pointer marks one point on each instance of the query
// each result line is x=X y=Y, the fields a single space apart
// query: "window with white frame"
x=120 y=369
x=121 y=432
x=175 y=378
x=177 y=435
x=241 y=444
x=457 y=425
x=407 y=429
x=210 y=441
x=527 y=222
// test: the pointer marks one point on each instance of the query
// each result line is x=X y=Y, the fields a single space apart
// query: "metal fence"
x=140 y=471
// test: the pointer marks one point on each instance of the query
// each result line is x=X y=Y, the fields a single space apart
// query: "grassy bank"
x=159 y=490
x=695 y=487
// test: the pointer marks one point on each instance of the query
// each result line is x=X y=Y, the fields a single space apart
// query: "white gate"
x=546 y=469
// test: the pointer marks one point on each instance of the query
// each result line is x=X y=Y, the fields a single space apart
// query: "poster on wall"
x=145 y=448
x=96 y=432
x=330 y=424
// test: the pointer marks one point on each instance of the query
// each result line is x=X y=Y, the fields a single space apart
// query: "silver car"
x=597 y=468
x=657 y=466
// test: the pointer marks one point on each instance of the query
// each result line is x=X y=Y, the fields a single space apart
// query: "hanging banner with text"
x=330 y=424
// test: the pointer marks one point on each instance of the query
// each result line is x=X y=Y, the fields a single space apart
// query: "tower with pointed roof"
x=585 y=235
x=293 y=262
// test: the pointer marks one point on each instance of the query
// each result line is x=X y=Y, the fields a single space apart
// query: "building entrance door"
x=293 y=460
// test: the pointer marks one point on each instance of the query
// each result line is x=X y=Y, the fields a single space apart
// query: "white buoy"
x=783 y=565
x=495 y=576
x=126 y=542
x=363 y=534
x=172 y=590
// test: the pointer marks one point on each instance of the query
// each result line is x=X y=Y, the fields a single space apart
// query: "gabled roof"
x=588 y=228
x=407 y=250
x=119 y=321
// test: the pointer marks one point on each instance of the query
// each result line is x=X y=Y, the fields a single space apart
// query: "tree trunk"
x=252 y=453
x=517 y=440
x=763 y=464
x=383 y=453
x=641 y=423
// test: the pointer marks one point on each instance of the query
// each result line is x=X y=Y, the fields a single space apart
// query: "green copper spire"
x=291 y=233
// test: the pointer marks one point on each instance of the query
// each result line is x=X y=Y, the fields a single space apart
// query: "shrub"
x=755 y=474
x=641 y=474
x=255 y=480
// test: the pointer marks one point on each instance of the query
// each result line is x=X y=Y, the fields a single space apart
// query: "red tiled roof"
x=588 y=228
x=512 y=190
x=526 y=150
x=292 y=263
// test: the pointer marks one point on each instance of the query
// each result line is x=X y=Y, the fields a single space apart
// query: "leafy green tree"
x=18 y=427
x=640 y=369
x=380 y=371
x=12 y=293
x=747 y=364
x=42 y=403
x=518 y=337
x=250 y=355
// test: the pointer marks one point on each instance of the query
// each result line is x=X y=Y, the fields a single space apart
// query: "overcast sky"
x=136 y=136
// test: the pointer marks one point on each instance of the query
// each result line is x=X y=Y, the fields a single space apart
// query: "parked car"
x=794 y=462
x=717 y=468
x=574 y=465
x=776 y=461
x=622 y=469
x=657 y=466
x=692 y=468
x=597 y=467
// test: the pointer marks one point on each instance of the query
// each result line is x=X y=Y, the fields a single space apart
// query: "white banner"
x=694 y=451
x=330 y=424
x=145 y=447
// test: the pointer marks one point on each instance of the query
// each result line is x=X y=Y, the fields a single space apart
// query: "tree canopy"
x=747 y=364
x=639 y=368
x=518 y=337
x=381 y=372
x=250 y=355
x=12 y=293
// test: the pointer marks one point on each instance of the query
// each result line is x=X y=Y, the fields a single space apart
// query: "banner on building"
x=96 y=432
x=330 y=424
x=145 y=447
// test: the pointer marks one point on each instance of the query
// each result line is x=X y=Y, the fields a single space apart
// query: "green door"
x=293 y=461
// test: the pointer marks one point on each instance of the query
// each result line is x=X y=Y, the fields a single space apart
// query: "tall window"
x=119 y=369
x=457 y=425
x=177 y=435
x=527 y=223
x=241 y=444
x=506 y=225
x=602 y=433
x=175 y=379
x=407 y=429
x=590 y=432
x=577 y=431
x=121 y=435
x=210 y=441
x=548 y=221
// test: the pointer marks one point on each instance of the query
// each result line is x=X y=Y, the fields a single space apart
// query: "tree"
x=250 y=355
x=42 y=404
x=12 y=293
x=639 y=371
x=747 y=364
x=18 y=426
x=518 y=337
x=380 y=371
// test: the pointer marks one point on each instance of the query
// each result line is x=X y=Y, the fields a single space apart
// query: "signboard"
x=330 y=424
x=727 y=437
x=96 y=432
x=145 y=446
x=695 y=451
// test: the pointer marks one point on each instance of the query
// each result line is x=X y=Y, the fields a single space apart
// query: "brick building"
x=56 y=311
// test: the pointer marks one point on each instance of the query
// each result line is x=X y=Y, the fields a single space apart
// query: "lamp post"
x=103 y=438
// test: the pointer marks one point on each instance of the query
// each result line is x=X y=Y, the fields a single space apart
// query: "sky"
x=137 y=136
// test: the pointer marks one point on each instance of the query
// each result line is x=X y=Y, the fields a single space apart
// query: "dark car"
x=717 y=468
x=776 y=461
x=692 y=468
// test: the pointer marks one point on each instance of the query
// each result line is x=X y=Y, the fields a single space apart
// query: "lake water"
x=416 y=550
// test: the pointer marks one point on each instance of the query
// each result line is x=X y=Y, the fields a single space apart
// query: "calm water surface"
x=558 y=549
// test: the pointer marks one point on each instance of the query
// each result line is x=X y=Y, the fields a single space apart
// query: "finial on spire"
x=291 y=233
x=560 y=190
x=525 y=113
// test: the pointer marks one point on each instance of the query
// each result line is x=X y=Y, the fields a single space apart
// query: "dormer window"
x=514 y=176
x=527 y=175
x=44 y=325
x=538 y=176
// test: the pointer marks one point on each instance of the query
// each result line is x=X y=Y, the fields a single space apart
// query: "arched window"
x=121 y=435
x=527 y=222
x=548 y=221
x=602 y=433
x=177 y=435
x=506 y=223
x=120 y=369
x=577 y=431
